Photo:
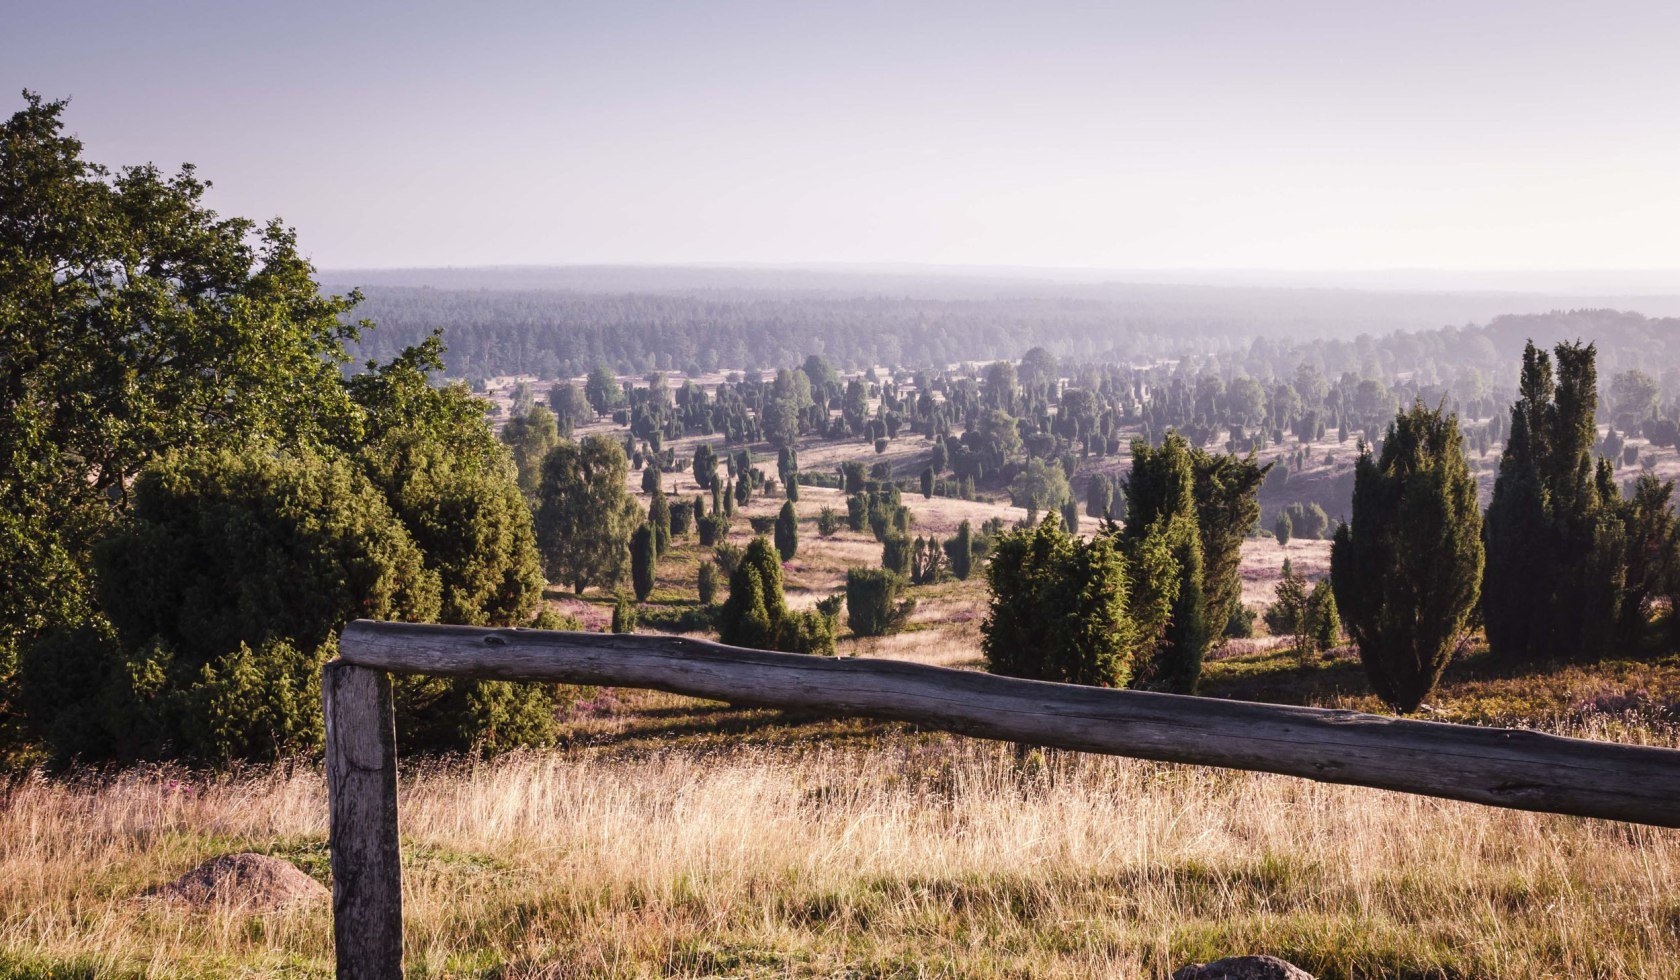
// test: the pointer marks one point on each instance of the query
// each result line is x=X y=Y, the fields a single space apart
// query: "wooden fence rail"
x=1502 y=767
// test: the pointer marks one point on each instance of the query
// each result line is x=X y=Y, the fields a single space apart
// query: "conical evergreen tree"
x=1556 y=533
x=1407 y=571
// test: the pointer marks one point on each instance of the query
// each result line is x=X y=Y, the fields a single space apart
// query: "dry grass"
x=887 y=855
x=671 y=837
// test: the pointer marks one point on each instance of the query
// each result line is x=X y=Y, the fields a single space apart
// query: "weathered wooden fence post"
x=362 y=834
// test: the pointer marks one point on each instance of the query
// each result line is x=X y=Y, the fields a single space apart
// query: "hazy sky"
x=1332 y=135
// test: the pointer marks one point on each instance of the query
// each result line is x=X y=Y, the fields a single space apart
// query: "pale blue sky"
x=1344 y=135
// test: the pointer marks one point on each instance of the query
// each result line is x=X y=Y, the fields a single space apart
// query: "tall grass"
x=898 y=856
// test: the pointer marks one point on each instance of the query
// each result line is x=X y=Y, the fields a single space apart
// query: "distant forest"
x=557 y=323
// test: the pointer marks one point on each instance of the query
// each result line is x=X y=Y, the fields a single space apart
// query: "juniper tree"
x=644 y=558
x=1059 y=608
x=623 y=615
x=960 y=551
x=1282 y=528
x=1555 y=537
x=1408 y=569
x=873 y=607
x=1163 y=482
x=787 y=532
x=659 y=516
x=756 y=614
x=707 y=583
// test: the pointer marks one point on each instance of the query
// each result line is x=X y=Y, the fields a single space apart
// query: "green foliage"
x=1101 y=498
x=1283 y=527
x=1407 y=570
x=705 y=466
x=1059 y=608
x=714 y=527
x=1321 y=622
x=587 y=514
x=1163 y=539
x=623 y=615
x=959 y=551
x=708 y=582
x=873 y=607
x=857 y=512
x=644 y=560
x=530 y=438
x=1555 y=532
x=659 y=517
x=1307 y=521
x=756 y=615
x=1040 y=487
x=134 y=320
x=224 y=592
x=602 y=390
x=1225 y=494
x=1287 y=613
x=787 y=531
x=786 y=407
x=896 y=554
x=828 y=522
x=927 y=561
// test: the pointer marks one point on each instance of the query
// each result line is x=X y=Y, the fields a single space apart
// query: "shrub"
x=787 y=532
x=224 y=592
x=1289 y=606
x=659 y=516
x=960 y=551
x=1059 y=608
x=623 y=615
x=828 y=522
x=644 y=558
x=857 y=512
x=756 y=615
x=714 y=527
x=872 y=601
x=896 y=553
x=728 y=558
x=708 y=582
x=1321 y=623
x=1099 y=496
x=1407 y=570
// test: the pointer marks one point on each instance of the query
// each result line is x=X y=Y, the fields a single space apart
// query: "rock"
x=251 y=881
x=1243 y=968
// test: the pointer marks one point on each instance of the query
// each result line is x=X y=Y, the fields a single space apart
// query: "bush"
x=872 y=604
x=756 y=615
x=1321 y=624
x=896 y=552
x=708 y=582
x=224 y=593
x=1059 y=608
x=644 y=558
x=714 y=527
x=728 y=558
x=857 y=512
x=623 y=615
x=1289 y=607
x=960 y=551
x=828 y=522
x=787 y=532
x=1407 y=570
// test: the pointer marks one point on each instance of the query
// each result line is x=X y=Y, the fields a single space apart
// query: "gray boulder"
x=1243 y=968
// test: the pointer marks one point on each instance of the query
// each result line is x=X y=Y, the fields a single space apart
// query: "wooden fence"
x=1502 y=767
